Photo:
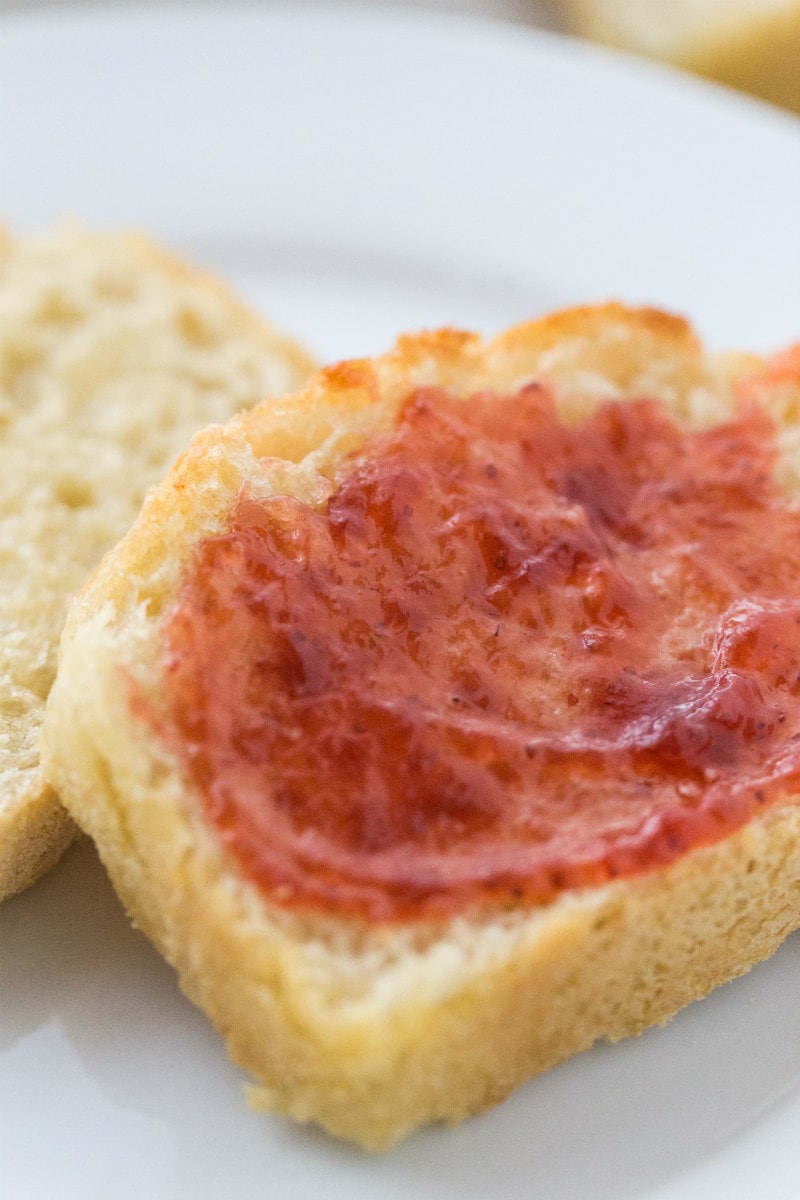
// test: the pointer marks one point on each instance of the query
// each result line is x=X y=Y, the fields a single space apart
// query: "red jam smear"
x=507 y=658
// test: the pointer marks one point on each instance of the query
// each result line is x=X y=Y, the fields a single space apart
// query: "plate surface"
x=356 y=173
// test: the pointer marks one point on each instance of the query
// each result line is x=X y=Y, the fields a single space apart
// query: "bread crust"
x=371 y=1030
x=111 y=357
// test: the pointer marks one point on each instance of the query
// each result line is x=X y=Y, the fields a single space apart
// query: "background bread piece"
x=112 y=355
x=373 y=1030
x=749 y=44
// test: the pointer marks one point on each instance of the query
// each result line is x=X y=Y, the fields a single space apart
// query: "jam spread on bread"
x=506 y=657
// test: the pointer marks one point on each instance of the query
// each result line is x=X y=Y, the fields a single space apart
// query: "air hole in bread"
x=152 y=602
x=195 y=330
x=73 y=493
x=17 y=361
x=57 y=309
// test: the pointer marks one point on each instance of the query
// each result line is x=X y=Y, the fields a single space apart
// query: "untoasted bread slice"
x=112 y=355
x=373 y=1026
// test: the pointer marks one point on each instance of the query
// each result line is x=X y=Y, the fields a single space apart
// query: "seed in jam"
x=506 y=658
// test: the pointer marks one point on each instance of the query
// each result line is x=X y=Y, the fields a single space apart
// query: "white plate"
x=358 y=173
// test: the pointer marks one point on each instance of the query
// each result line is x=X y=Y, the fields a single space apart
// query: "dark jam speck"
x=508 y=658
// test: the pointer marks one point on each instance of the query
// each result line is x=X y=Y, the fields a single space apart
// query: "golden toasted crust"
x=112 y=354
x=372 y=1030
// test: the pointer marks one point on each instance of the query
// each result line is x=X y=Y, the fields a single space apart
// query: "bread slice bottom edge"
x=371 y=1031
x=35 y=830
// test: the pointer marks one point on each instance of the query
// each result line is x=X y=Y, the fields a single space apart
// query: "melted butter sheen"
x=508 y=658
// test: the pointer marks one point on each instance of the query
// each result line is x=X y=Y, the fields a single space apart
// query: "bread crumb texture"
x=112 y=354
x=374 y=1029
x=749 y=44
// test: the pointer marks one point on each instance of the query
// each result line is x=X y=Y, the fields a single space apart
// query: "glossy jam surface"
x=506 y=658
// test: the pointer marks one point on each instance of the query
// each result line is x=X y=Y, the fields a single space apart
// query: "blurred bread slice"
x=112 y=355
x=750 y=44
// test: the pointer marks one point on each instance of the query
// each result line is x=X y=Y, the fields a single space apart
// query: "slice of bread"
x=749 y=44
x=112 y=355
x=368 y=1026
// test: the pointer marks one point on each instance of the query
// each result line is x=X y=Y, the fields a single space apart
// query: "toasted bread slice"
x=112 y=355
x=368 y=1022
x=749 y=44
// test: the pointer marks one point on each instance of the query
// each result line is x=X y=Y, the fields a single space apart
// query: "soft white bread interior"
x=749 y=44
x=112 y=355
x=372 y=1029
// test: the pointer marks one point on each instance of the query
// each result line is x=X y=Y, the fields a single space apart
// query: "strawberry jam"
x=505 y=658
